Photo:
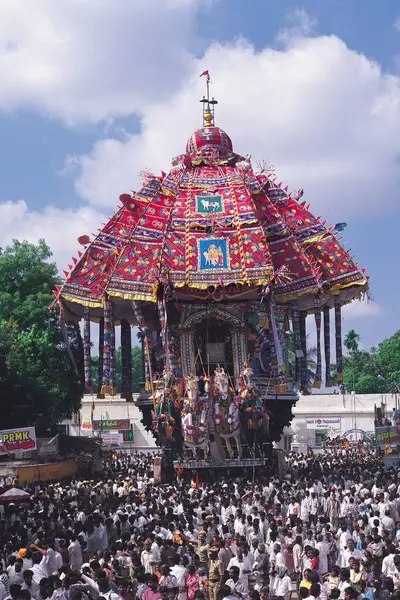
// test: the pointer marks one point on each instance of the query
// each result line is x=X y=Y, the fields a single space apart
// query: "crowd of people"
x=328 y=528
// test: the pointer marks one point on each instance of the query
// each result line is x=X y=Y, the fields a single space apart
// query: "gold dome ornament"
x=208 y=118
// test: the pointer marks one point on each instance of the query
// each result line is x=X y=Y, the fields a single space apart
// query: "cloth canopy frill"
x=14 y=495
x=212 y=222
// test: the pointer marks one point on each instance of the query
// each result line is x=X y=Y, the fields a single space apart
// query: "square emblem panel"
x=213 y=254
x=209 y=205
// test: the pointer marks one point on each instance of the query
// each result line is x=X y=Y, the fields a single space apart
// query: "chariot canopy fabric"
x=212 y=221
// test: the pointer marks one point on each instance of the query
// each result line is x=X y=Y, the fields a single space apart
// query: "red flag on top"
x=207 y=75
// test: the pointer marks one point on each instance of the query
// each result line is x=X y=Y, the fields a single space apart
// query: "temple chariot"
x=218 y=265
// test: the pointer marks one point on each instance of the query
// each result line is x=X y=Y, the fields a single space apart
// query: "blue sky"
x=91 y=97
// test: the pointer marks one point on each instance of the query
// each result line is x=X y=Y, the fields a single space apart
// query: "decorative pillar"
x=86 y=350
x=144 y=330
x=108 y=387
x=101 y=358
x=126 y=355
x=113 y=371
x=303 y=359
x=338 y=339
x=187 y=353
x=327 y=346
x=318 y=371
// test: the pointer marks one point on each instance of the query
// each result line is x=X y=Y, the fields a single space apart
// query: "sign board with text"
x=86 y=424
x=387 y=435
x=112 y=438
x=333 y=422
x=112 y=425
x=17 y=440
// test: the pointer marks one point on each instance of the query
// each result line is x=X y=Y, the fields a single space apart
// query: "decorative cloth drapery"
x=126 y=355
x=327 y=347
x=277 y=343
x=86 y=350
x=108 y=387
x=338 y=339
x=318 y=371
x=303 y=359
x=101 y=356
x=297 y=342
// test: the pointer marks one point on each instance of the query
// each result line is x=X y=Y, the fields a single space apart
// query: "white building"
x=342 y=413
x=131 y=436
x=347 y=414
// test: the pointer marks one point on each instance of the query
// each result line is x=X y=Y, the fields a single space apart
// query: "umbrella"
x=14 y=495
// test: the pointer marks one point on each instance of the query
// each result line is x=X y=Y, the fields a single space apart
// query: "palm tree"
x=351 y=344
x=351 y=341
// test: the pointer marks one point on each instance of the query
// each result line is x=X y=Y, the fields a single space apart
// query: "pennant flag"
x=206 y=74
x=340 y=227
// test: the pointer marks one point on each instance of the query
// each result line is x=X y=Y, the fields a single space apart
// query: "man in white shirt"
x=388 y=523
x=350 y=552
x=243 y=563
x=389 y=569
x=148 y=558
x=282 y=584
x=39 y=569
x=75 y=555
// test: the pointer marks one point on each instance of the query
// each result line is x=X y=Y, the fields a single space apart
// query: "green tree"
x=376 y=371
x=38 y=384
x=351 y=341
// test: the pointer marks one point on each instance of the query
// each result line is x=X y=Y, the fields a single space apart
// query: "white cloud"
x=325 y=115
x=300 y=24
x=88 y=60
x=396 y=24
x=59 y=228
x=360 y=309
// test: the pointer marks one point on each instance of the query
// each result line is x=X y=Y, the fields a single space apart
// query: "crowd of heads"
x=327 y=528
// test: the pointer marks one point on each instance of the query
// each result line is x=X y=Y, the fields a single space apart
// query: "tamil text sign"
x=17 y=440
x=324 y=423
x=112 y=425
x=387 y=435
